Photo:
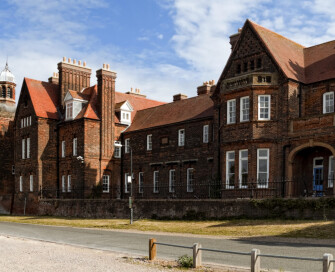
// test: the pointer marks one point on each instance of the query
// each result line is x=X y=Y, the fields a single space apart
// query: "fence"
x=255 y=254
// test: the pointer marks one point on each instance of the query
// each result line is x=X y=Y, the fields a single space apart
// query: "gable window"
x=21 y=184
x=23 y=148
x=328 y=102
x=205 y=134
x=231 y=111
x=74 y=146
x=126 y=181
x=156 y=176
x=127 y=145
x=28 y=148
x=149 y=142
x=63 y=184
x=190 y=179
x=243 y=169
x=31 y=179
x=105 y=184
x=140 y=182
x=262 y=167
x=331 y=172
x=69 y=184
x=230 y=169
x=63 y=149
x=244 y=109
x=181 y=137
x=264 y=107
x=172 y=180
x=69 y=111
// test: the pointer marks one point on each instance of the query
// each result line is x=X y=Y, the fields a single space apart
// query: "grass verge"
x=228 y=228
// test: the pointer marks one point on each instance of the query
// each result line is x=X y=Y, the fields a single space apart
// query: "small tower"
x=7 y=90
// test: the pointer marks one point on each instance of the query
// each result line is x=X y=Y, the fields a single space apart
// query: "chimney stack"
x=178 y=97
x=136 y=92
x=206 y=88
x=54 y=79
x=234 y=38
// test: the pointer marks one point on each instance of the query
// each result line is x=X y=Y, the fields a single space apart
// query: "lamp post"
x=129 y=180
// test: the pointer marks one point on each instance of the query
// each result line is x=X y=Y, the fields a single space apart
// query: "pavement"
x=136 y=243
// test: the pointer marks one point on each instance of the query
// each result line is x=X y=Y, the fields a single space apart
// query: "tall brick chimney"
x=106 y=110
x=234 y=38
x=72 y=76
x=206 y=88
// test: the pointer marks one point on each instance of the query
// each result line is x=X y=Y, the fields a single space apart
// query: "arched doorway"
x=311 y=170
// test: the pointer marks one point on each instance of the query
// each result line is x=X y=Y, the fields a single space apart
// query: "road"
x=137 y=243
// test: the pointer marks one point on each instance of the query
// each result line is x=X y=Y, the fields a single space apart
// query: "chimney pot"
x=64 y=59
x=104 y=66
x=107 y=66
x=74 y=61
x=84 y=64
x=79 y=62
x=69 y=60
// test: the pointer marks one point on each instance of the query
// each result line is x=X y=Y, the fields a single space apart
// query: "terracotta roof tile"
x=179 y=111
x=81 y=96
x=44 y=97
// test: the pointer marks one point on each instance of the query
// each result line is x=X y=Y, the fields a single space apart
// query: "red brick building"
x=275 y=111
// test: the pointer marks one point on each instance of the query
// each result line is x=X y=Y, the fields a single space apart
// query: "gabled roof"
x=76 y=95
x=44 y=97
x=124 y=105
x=179 y=111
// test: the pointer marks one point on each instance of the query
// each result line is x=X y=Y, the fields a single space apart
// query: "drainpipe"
x=219 y=141
x=121 y=167
x=299 y=95
x=284 y=169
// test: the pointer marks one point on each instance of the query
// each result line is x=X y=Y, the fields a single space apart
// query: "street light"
x=129 y=180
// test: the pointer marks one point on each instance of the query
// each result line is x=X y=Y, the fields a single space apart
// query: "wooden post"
x=152 y=249
x=328 y=265
x=255 y=261
x=196 y=255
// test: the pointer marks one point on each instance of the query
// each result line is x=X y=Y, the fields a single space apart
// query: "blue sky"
x=162 y=47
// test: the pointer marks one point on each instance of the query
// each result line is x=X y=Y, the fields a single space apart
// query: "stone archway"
x=299 y=148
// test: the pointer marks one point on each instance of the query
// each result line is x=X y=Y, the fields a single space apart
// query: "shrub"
x=185 y=261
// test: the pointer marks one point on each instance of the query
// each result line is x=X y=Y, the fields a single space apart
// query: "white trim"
x=28 y=147
x=267 y=157
x=126 y=190
x=105 y=183
x=31 y=183
x=117 y=152
x=205 y=134
x=228 y=186
x=181 y=137
x=331 y=172
x=156 y=180
x=21 y=183
x=331 y=100
x=241 y=109
x=74 y=146
x=63 y=149
x=69 y=110
x=315 y=159
x=190 y=179
x=23 y=149
x=240 y=167
x=264 y=107
x=231 y=114
x=63 y=184
x=149 y=142
x=172 y=181
x=69 y=186
x=127 y=145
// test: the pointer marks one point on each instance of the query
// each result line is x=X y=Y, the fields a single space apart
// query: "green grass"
x=228 y=228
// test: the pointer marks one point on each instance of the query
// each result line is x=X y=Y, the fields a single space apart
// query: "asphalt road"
x=137 y=243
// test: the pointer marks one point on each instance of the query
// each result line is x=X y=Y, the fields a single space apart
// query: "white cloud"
x=160 y=36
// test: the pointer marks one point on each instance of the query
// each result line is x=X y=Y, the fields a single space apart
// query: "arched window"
x=9 y=91
x=3 y=91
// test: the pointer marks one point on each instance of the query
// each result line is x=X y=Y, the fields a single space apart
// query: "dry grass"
x=228 y=228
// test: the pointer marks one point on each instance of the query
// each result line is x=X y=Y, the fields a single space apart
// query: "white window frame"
x=172 y=180
x=181 y=137
x=117 y=152
x=31 y=183
x=149 y=142
x=244 y=111
x=21 y=183
x=69 y=111
x=267 y=157
x=156 y=181
x=328 y=104
x=205 y=134
x=28 y=147
x=264 y=107
x=190 y=179
x=140 y=182
x=29 y=118
x=231 y=111
x=127 y=145
x=105 y=183
x=126 y=175
x=63 y=149
x=69 y=184
x=63 y=184
x=331 y=165
x=240 y=172
x=228 y=174
x=22 y=123
x=74 y=146
x=23 y=149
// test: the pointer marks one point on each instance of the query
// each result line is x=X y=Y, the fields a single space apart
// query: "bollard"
x=152 y=249
x=328 y=265
x=255 y=260
x=196 y=255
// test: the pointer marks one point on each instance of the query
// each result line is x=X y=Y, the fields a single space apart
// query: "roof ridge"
x=319 y=44
x=139 y=97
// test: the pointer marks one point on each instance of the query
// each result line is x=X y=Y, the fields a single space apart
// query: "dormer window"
x=69 y=111
x=125 y=117
x=124 y=110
